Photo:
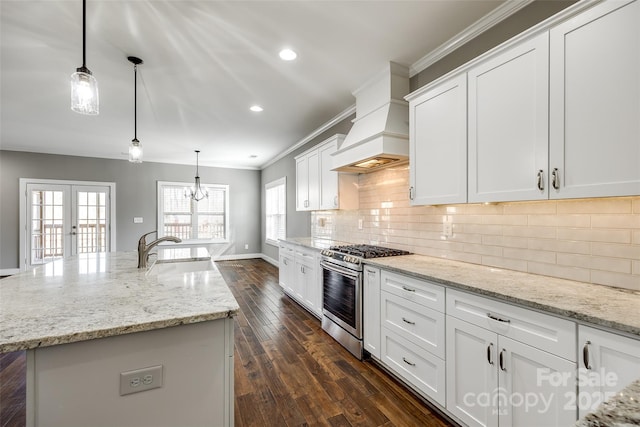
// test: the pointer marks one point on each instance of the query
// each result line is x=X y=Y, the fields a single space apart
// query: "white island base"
x=78 y=384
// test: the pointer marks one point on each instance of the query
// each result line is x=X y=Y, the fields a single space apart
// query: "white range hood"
x=379 y=136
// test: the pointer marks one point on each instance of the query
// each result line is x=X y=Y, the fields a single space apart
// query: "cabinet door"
x=286 y=267
x=314 y=181
x=438 y=144
x=371 y=310
x=302 y=183
x=328 y=178
x=608 y=363
x=595 y=102
x=536 y=387
x=508 y=124
x=472 y=376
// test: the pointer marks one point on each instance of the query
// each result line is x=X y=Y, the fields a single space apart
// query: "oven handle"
x=338 y=269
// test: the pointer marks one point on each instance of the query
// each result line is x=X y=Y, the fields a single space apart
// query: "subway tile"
x=615 y=250
x=530 y=208
x=484 y=228
x=627 y=281
x=636 y=205
x=568 y=246
x=597 y=206
x=615 y=221
x=635 y=268
x=635 y=239
x=563 y=272
x=509 y=264
x=617 y=265
x=505 y=219
x=540 y=232
x=530 y=255
x=577 y=220
x=505 y=241
x=483 y=249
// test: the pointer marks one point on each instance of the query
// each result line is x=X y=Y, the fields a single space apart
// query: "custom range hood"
x=379 y=136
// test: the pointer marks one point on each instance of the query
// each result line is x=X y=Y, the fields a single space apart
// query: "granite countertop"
x=621 y=410
x=606 y=306
x=93 y=296
x=614 y=308
x=312 y=243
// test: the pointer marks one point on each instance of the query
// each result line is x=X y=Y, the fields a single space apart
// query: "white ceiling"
x=205 y=63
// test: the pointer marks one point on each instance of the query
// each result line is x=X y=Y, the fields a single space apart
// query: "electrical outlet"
x=447 y=226
x=246 y=246
x=360 y=223
x=141 y=380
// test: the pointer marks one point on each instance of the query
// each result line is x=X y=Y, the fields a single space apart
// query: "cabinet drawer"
x=548 y=333
x=422 y=326
x=286 y=249
x=307 y=258
x=422 y=292
x=424 y=371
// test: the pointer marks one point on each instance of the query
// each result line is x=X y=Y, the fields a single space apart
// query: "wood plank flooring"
x=288 y=372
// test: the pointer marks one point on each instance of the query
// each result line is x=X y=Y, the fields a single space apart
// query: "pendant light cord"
x=135 y=101
x=84 y=33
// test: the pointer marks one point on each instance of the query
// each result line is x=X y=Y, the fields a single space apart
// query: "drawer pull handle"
x=491 y=316
x=408 y=321
x=489 y=353
x=585 y=355
x=407 y=362
x=540 y=180
x=408 y=289
x=502 y=368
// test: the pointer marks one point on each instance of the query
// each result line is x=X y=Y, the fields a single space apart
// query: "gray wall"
x=298 y=223
x=135 y=196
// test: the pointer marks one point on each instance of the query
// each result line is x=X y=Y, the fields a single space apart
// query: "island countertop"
x=93 y=296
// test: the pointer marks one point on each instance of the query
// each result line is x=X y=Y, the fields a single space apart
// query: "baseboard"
x=9 y=271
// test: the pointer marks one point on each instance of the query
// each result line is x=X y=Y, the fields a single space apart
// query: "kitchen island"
x=86 y=320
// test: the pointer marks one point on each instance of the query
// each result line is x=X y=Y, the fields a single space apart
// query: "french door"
x=65 y=219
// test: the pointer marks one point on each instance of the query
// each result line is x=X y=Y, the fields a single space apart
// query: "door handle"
x=585 y=355
x=541 y=180
x=489 y=353
x=502 y=368
x=555 y=179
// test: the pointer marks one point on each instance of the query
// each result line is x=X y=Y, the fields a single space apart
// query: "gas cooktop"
x=368 y=251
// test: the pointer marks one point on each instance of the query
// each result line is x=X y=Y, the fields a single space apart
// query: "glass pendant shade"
x=84 y=92
x=135 y=151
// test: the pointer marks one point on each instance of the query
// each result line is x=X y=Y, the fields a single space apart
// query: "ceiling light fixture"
x=288 y=54
x=135 y=149
x=84 y=87
x=256 y=108
x=196 y=193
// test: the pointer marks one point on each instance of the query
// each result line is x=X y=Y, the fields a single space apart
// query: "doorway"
x=65 y=218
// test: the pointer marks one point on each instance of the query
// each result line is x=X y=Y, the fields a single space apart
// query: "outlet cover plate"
x=141 y=380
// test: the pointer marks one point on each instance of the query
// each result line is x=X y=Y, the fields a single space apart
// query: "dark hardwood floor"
x=288 y=372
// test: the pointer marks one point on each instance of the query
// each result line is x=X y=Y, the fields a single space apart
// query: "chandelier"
x=196 y=192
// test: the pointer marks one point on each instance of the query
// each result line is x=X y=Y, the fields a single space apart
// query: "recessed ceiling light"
x=288 y=55
x=256 y=108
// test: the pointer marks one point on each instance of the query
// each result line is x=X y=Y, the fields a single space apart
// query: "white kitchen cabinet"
x=413 y=332
x=320 y=188
x=438 y=143
x=508 y=124
x=307 y=181
x=607 y=363
x=496 y=376
x=338 y=190
x=286 y=268
x=307 y=289
x=371 y=310
x=595 y=102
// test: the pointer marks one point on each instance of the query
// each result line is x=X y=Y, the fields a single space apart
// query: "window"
x=276 y=209
x=187 y=219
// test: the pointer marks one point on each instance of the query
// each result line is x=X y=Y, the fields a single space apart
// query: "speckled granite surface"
x=319 y=244
x=614 y=308
x=622 y=410
x=99 y=295
x=598 y=305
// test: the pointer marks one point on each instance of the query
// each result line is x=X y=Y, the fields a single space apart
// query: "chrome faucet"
x=143 y=248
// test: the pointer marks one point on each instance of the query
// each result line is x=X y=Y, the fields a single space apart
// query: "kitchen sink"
x=177 y=267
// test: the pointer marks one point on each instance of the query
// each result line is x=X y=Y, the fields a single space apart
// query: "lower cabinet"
x=413 y=332
x=300 y=276
x=371 y=312
x=496 y=380
x=608 y=362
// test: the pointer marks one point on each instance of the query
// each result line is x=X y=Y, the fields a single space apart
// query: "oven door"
x=342 y=292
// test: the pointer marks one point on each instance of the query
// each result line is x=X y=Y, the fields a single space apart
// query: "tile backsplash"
x=589 y=240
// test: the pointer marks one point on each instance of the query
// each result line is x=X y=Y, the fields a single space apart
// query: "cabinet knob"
x=555 y=179
x=585 y=355
x=541 y=180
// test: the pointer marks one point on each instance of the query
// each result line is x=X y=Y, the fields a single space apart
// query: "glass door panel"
x=49 y=222
x=91 y=220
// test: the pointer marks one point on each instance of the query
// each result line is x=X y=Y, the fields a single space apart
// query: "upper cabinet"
x=551 y=114
x=595 y=102
x=508 y=124
x=438 y=143
x=320 y=188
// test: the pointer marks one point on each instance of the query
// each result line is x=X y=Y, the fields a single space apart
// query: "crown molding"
x=494 y=17
x=337 y=119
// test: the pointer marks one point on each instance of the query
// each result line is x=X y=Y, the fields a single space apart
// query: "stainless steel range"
x=342 y=268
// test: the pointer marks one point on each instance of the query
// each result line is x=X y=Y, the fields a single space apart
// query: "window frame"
x=270 y=185
x=193 y=213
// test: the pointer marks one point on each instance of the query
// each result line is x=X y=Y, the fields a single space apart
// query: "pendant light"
x=196 y=193
x=84 y=87
x=135 y=149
